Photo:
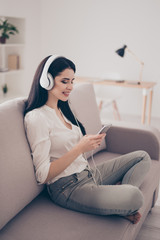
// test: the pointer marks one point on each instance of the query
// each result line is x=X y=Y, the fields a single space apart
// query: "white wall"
x=89 y=32
x=31 y=11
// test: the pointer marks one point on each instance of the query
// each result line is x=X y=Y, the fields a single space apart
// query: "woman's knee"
x=136 y=198
x=144 y=155
x=146 y=158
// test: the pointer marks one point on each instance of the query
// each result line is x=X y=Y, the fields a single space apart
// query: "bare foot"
x=134 y=218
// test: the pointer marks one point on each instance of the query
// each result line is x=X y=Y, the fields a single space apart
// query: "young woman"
x=58 y=142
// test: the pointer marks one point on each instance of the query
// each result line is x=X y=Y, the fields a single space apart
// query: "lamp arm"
x=141 y=72
x=142 y=63
x=135 y=56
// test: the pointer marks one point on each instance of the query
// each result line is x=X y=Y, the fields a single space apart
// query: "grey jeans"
x=81 y=193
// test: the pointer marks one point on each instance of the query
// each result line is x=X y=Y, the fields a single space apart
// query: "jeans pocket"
x=66 y=185
x=53 y=192
x=64 y=193
x=61 y=188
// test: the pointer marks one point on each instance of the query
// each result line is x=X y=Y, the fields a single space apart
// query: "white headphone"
x=46 y=79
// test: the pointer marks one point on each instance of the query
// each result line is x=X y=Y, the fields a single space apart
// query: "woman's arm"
x=87 y=143
x=37 y=132
x=38 y=136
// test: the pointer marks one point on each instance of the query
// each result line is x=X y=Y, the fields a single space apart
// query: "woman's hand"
x=90 y=142
x=87 y=143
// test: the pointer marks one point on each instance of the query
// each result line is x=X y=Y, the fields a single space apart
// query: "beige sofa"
x=26 y=211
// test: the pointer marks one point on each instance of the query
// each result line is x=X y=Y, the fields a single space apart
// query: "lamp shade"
x=121 y=51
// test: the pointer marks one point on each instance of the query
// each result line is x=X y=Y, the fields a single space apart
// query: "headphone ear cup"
x=50 y=81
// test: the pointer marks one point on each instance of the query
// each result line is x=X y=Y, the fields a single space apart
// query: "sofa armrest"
x=123 y=140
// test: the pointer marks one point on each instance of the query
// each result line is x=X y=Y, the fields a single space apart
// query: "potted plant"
x=6 y=29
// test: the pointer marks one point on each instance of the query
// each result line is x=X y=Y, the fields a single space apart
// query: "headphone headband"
x=46 y=80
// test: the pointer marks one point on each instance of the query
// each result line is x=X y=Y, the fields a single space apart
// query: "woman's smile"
x=66 y=93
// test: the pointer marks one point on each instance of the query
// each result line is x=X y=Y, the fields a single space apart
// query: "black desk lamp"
x=121 y=53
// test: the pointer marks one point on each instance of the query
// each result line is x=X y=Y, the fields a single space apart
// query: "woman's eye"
x=65 y=82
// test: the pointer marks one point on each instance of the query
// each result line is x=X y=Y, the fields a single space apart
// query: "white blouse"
x=49 y=140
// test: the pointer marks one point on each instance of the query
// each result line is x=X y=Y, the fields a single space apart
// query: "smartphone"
x=104 y=129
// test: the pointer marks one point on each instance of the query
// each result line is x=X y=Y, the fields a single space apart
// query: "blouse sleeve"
x=38 y=136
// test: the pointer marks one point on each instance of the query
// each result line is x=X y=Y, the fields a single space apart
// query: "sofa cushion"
x=18 y=185
x=84 y=106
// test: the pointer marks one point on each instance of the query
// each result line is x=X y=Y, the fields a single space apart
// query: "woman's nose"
x=69 y=86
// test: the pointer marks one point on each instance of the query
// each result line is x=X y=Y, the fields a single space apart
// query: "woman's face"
x=63 y=85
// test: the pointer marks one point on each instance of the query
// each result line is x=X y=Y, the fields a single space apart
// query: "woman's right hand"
x=90 y=142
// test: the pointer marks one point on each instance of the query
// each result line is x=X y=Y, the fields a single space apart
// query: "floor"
x=151 y=228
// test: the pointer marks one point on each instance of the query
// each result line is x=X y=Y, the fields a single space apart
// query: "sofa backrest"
x=18 y=185
x=84 y=106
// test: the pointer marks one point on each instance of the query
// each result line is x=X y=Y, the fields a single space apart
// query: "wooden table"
x=147 y=91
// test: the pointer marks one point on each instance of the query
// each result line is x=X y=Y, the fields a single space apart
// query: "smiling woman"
x=58 y=146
